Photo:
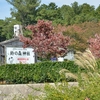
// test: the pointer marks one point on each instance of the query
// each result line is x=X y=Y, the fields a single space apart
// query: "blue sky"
x=5 y=6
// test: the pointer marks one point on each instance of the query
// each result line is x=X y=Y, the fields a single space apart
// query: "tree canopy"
x=24 y=10
x=44 y=41
x=27 y=12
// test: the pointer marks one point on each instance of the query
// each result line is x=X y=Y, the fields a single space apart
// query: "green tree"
x=97 y=13
x=83 y=13
x=75 y=7
x=86 y=8
x=88 y=11
x=2 y=23
x=67 y=14
x=7 y=28
x=24 y=10
x=49 y=12
x=78 y=19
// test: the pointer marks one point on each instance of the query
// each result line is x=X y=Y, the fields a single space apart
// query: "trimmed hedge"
x=36 y=73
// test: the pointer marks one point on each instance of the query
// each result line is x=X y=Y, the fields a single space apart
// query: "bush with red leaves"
x=94 y=45
x=44 y=40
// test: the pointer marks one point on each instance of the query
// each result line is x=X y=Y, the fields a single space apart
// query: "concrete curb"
x=8 y=92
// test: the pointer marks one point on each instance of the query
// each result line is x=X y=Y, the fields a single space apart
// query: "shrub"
x=40 y=72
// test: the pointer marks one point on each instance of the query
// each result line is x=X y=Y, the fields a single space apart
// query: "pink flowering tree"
x=44 y=40
x=94 y=45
